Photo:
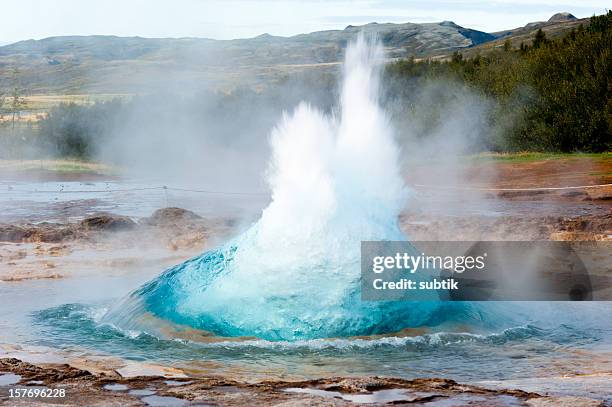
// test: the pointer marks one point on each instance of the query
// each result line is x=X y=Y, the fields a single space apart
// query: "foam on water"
x=82 y=323
x=550 y=335
x=295 y=274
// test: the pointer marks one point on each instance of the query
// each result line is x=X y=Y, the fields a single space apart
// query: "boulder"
x=107 y=222
x=172 y=216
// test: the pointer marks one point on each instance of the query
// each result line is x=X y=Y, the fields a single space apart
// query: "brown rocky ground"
x=533 y=212
x=83 y=387
x=109 y=243
x=173 y=221
x=473 y=228
x=518 y=179
x=114 y=243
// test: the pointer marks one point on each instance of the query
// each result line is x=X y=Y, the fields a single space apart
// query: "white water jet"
x=295 y=273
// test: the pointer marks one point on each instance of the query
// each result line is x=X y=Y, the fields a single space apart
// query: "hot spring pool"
x=537 y=340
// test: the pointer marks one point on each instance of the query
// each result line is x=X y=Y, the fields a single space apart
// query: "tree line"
x=557 y=93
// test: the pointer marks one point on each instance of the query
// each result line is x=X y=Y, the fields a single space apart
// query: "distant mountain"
x=109 y=64
x=118 y=64
x=562 y=17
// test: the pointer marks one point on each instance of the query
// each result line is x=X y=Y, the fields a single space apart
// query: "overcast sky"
x=225 y=19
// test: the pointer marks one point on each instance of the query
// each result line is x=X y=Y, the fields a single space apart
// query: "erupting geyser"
x=295 y=273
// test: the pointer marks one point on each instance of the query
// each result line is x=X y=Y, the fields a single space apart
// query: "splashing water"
x=295 y=273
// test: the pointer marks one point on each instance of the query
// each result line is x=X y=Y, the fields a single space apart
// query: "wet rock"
x=532 y=194
x=43 y=232
x=47 y=375
x=565 y=402
x=181 y=228
x=107 y=222
x=172 y=216
x=599 y=194
x=575 y=194
x=12 y=233
x=594 y=224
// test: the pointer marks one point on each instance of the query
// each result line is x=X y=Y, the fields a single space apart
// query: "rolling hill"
x=118 y=64
x=109 y=64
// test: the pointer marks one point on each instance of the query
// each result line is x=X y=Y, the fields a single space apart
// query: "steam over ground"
x=221 y=140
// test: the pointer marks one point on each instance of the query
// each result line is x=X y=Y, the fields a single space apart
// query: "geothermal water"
x=295 y=273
